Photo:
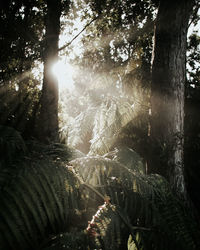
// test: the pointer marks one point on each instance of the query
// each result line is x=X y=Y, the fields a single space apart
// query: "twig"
x=69 y=43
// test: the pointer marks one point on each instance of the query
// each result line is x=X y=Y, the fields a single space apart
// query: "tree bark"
x=49 y=99
x=167 y=92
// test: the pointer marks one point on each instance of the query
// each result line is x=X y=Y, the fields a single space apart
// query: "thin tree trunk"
x=49 y=99
x=167 y=92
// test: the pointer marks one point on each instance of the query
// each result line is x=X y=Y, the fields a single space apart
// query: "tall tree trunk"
x=49 y=99
x=167 y=91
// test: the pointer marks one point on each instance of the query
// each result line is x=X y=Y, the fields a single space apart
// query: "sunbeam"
x=64 y=73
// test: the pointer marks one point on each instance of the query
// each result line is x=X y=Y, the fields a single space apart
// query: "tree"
x=135 y=207
x=192 y=120
x=117 y=61
x=49 y=99
x=167 y=92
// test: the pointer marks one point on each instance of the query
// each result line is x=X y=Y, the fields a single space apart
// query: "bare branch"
x=69 y=43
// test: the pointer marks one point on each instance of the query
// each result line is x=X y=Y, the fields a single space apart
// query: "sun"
x=64 y=73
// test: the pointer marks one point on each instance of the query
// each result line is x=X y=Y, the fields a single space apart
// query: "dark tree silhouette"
x=49 y=99
x=167 y=91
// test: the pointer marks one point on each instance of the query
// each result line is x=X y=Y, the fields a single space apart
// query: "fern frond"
x=80 y=134
x=135 y=134
x=113 y=114
x=37 y=199
x=173 y=218
x=97 y=128
x=127 y=157
x=147 y=202
x=105 y=229
x=125 y=187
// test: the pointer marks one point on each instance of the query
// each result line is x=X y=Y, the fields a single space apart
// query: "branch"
x=69 y=43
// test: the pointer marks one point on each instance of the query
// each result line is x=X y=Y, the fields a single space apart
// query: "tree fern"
x=97 y=128
x=123 y=185
x=40 y=200
x=157 y=217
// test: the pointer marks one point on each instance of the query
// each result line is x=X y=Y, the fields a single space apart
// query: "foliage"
x=127 y=157
x=144 y=205
x=192 y=122
x=46 y=205
x=193 y=60
x=21 y=36
x=80 y=133
x=73 y=240
x=19 y=105
x=22 y=45
x=96 y=128
x=11 y=145
x=113 y=76
x=113 y=114
x=39 y=197
x=43 y=201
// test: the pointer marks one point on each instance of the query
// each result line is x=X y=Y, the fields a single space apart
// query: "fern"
x=122 y=185
x=135 y=134
x=37 y=199
x=105 y=229
x=40 y=199
x=113 y=114
x=80 y=134
x=156 y=216
x=96 y=129
x=127 y=157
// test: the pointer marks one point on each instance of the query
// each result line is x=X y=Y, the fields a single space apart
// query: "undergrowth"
x=50 y=200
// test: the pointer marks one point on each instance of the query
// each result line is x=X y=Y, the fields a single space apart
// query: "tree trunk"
x=49 y=99
x=167 y=92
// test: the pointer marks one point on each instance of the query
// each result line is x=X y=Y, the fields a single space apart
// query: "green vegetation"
x=46 y=203
x=116 y=177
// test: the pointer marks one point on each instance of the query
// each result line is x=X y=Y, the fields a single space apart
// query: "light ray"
x=64 y=73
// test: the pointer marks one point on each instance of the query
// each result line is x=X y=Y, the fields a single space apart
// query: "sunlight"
x=64 y=73
x=68 y=34
x=63 y=70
